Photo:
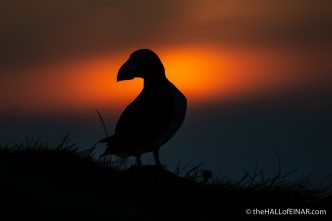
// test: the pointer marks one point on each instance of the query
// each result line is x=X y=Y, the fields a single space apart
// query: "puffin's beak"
x=126 y=71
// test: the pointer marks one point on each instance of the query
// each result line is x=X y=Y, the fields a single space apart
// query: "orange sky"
x=63 y=56
x=205 y=74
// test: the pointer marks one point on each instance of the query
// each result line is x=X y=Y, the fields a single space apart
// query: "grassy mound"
x=62 y=183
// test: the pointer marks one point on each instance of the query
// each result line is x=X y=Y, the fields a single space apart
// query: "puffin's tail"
x=104 y=154
x=107 y=139
x=110 y=142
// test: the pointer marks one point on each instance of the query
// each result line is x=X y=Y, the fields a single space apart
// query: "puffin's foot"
x=138 y=161
x=156 y=158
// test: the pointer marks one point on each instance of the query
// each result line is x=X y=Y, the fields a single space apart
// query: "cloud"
x=38 y=31
x=303 y=23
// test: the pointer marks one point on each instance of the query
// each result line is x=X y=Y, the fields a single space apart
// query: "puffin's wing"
x=146 y=118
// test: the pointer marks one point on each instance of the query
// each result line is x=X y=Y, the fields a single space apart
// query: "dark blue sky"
x=227 y=138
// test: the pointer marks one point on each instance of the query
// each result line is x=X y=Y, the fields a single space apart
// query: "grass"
x=59 y=182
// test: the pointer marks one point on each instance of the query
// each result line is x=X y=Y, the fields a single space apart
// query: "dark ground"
x=61 y=183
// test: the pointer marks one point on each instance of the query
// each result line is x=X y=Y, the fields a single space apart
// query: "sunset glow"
x=204 y=74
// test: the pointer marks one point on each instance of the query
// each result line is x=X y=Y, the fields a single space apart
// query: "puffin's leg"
x=138 y=161
x=156 y=157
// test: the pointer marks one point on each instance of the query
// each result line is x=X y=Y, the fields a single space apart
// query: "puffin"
x=155 y=115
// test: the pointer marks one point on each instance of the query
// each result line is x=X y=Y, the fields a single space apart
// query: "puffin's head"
x=142 y=63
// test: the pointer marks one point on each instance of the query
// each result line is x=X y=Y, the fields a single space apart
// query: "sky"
x=257 y=75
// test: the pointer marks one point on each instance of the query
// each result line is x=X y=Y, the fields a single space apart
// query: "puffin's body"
x=154 y=116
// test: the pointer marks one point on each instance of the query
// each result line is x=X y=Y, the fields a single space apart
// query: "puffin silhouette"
x=153 y=117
